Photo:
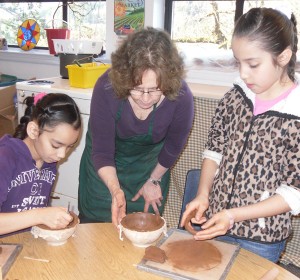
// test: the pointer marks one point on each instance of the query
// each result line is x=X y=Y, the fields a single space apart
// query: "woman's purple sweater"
x=172 y=122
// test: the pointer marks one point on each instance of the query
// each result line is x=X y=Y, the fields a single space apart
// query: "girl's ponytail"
x=292 y=64
x=21 y=129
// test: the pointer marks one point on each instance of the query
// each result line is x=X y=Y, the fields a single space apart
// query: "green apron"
x=135 y=159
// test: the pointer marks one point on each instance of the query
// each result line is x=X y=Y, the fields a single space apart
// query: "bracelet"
x=155 y=182
x=231 y=219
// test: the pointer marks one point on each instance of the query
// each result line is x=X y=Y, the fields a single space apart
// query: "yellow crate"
x=86 y=75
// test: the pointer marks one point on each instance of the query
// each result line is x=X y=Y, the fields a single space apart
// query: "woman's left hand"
x=152 y=196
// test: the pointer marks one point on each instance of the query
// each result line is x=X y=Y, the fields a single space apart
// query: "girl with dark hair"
x=250 y=178
x=141 y=115
x=48 y=130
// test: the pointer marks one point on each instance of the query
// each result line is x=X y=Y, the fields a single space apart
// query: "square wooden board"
x=228 y=250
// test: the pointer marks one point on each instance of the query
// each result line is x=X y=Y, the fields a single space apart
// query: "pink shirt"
x=262 y=106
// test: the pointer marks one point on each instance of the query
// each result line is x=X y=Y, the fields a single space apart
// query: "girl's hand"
x=152 y=196
x=55 y=217
x=200 y=204
x=218 y=225
x=118 y=206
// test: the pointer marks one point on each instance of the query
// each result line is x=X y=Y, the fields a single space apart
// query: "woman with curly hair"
x=141 y=114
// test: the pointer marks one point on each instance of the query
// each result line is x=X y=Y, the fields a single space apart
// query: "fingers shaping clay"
x=188 y=226
x=73 y=223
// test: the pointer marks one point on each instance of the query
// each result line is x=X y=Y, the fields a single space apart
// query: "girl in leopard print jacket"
x=249 y=186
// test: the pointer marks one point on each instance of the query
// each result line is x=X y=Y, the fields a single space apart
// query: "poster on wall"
x=129 y=16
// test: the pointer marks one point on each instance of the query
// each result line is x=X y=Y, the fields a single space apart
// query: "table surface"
x=96 y=252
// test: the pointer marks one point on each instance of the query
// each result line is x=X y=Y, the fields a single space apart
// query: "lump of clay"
x=155 y=254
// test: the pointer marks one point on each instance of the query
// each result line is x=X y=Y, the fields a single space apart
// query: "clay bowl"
x=56 y=237
x=142 y=229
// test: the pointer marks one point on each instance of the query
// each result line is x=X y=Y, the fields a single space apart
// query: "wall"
x=25 y=65
x=40 y=64
x=206 y=98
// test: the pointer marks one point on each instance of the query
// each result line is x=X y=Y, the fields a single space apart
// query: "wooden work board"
x=8 y=254
x=227 y=251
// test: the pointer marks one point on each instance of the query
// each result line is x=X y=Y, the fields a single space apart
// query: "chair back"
x=190 y=189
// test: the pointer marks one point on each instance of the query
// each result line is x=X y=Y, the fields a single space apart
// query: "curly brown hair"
x=147 y=49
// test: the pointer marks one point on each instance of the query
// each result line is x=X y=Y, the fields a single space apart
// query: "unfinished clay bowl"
x=56 y=237
x=142 y=229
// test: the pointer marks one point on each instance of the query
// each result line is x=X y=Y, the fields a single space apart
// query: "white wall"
x=25 y=65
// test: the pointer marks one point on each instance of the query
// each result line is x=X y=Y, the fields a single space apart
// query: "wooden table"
x=97 y=253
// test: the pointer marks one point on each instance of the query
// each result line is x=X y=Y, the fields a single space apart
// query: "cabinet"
x=66 y=187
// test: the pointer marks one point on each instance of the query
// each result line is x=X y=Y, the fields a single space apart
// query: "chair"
x=190 y=190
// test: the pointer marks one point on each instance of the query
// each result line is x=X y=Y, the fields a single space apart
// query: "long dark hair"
x=51 y=110
x=273 y=30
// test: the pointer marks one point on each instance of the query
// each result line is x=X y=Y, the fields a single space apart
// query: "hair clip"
x=38 y=97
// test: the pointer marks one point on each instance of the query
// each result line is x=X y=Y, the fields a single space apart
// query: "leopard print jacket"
x=258 y=154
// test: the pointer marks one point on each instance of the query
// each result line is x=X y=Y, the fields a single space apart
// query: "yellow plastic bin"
x=85 y=75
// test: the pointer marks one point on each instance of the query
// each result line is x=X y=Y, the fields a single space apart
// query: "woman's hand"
x=108 y=175
x=152 y=196
x=54 y=217
x=118 y=206
x=218 y=225
x=200 y=203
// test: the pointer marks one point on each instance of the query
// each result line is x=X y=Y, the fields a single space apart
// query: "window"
x=202 y=29
x=85 y=19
